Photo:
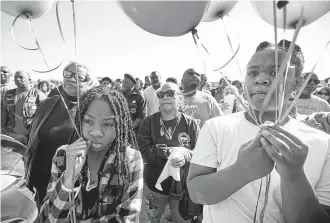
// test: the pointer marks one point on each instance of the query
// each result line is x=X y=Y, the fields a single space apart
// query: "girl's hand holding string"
x=76 y=154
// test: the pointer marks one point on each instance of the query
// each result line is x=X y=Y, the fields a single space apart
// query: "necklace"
x=168 y=133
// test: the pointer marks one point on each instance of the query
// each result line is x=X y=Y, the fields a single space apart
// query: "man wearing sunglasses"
x=309 y=103
x=198 y=104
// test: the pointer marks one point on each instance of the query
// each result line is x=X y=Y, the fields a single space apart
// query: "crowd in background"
x=159 y=116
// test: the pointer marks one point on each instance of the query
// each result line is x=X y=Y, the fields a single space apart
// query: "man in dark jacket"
x=19 y=106
x=136 y=101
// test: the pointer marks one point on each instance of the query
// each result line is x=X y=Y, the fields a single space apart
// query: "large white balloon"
x=165 y=18
x=34 y=9
x=218 y=8
x=312 y=10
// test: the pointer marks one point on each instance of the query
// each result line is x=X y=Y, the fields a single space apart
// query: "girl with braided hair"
x=104 y=161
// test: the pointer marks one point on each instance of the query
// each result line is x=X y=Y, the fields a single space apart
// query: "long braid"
x=125 y=136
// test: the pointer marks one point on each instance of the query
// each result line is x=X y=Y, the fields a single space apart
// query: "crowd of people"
x=100 y=151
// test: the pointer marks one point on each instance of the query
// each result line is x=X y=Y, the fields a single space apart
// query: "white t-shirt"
x=217 y=147
x=152 y=100
x=311 y=105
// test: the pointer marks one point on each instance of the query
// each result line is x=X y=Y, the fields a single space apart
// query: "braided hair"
x=125 y=136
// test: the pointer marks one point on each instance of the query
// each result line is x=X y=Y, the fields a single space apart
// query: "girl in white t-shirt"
x=242 y=173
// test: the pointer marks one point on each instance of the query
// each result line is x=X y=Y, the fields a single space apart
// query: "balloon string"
x=37 y=42
x=256 y=210
x=262 y=215
x=232 y=49
x=276 y=54
x=58 y=21
x=303 y=86
x=74 y=28
x=282 y=92
x=75 y=56
x=73 y=211
x=249 y=110
x=40 y=50
x=231 y=45
x=55 y=86
x=13 y=32
x=28 y=18
x=197 y=42
x=282 y=67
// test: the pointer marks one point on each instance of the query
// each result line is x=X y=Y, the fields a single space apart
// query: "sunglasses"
x=192 y=74
x=80 y=76
x=314 y=81
x=169 y=94
x=323 y=93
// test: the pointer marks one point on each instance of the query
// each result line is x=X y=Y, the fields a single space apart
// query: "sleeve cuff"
x=75 y=190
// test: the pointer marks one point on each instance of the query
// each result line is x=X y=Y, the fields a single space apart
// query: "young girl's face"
x=260 y=75
x=98 y=125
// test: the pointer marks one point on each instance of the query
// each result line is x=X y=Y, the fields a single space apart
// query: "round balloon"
x=217 y=9
x=34 y=9
x=165 y=18
x=312 y=10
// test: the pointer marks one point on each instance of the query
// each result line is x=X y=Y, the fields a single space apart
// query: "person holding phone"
x=159 y=135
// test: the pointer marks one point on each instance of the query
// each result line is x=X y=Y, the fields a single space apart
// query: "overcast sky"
x=111 y=44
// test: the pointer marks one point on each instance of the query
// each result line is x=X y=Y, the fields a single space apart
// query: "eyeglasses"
x=314 y=81
x=81 y=77
x=169 y=94
x=323 y=93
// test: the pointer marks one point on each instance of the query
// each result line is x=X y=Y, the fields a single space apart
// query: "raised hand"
x=254 y=160
x=75 y=160
x=288 y=152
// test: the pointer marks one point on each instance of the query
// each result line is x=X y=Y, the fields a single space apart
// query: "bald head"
x=22 y=79
x=155 y=79
x=191 y=79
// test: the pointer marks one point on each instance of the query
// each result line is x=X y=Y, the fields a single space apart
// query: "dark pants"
x=40 y=185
